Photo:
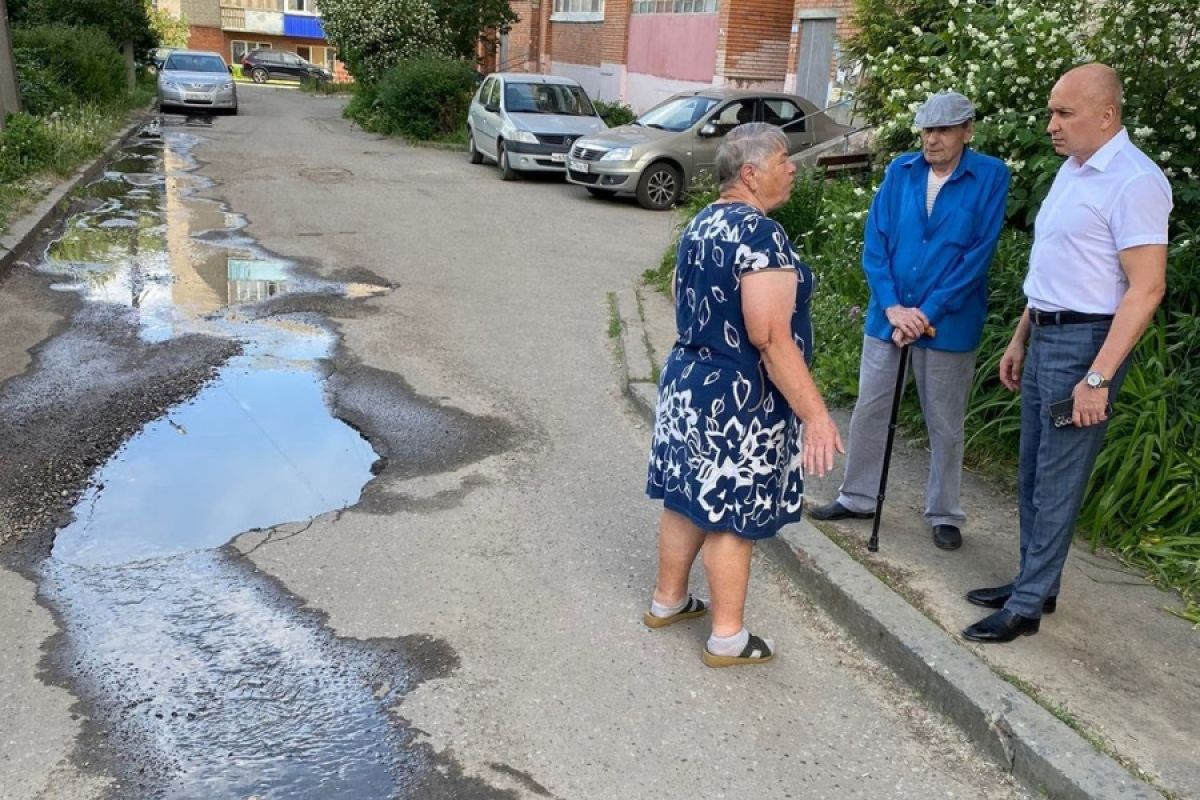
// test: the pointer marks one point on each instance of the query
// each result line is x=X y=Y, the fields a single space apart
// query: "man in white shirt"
x=1097 y=272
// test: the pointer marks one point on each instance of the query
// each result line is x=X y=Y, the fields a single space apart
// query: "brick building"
x=641 y=51
x=232 y=27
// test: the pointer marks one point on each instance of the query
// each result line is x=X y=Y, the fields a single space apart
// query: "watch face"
x=1095 y=379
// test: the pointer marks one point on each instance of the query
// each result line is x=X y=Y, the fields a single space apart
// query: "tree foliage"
x=169 y=30
x=124 y=21
x=466 y=22
x=372 y=36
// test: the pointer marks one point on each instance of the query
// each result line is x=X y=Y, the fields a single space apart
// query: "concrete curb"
x=1041 y=752
x=51 y=208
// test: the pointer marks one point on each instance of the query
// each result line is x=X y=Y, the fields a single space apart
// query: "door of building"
x=815 y=59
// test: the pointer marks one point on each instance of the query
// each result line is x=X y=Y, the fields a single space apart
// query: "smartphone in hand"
x=1061 y=413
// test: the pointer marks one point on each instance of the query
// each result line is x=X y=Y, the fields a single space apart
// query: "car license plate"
x=196 y=96
x=559 y=157
x=577 y=166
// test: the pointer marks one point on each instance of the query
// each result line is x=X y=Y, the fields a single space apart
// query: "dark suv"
x=263 y=65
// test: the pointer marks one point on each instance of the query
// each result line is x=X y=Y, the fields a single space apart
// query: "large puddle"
x=206 y=680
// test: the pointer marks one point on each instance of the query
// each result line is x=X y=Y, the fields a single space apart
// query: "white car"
x=527 y=122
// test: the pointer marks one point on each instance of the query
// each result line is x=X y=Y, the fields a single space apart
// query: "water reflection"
x=219 y=688
x=223 y=691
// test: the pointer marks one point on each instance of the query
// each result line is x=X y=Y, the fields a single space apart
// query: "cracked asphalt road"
x=524 y=543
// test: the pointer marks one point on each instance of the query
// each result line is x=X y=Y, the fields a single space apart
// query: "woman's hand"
x=821 y=441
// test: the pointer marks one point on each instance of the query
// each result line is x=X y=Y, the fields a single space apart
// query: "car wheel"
x=473 y=154
x=507 y=173
x=259 y=75
x=603 y=194
x=660 y=187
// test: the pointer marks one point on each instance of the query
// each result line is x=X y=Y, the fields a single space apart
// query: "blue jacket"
x=938 y=264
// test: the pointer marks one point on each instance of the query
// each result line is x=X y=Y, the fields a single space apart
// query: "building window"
x=239 y=48
x=579 y=6
x=301 y=6
x=676 y=6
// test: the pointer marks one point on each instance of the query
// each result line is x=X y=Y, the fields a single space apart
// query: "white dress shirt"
x=1117 y=199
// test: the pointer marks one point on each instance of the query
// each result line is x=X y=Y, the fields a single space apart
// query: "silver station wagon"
x=673 y=146
x=528 y=122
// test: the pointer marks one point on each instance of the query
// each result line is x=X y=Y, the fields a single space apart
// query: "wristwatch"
x=1096 y=380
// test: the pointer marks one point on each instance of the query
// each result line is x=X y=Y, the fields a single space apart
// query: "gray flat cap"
x=944 y=109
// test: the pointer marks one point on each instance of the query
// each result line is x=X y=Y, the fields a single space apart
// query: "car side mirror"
x=492 y=107
x=708 y=129
x=230 y=68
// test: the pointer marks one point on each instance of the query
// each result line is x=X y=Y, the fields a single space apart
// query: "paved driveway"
x=527 y=549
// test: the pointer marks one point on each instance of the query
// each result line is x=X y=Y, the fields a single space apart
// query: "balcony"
x=252 y=16
x=297 y=18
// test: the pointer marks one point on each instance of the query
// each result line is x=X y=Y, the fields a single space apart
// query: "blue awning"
x=303 y=26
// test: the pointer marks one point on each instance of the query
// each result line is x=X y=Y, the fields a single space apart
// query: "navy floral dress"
x=726 y=451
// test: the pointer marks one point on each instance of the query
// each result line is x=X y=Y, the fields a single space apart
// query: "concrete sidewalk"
x=1112 y=673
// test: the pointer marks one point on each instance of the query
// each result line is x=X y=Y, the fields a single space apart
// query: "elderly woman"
x=735 y=396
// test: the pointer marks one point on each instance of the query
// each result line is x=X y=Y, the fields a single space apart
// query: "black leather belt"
x=1065 y=317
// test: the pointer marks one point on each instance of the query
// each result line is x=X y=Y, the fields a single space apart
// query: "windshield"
x=547 y=98
x=678 y=114
x=192 y=63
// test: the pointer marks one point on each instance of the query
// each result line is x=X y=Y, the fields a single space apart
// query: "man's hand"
x=900 y=339
x=911 y=321
x=1091 y=405
x=1011 y=363
x=821 y=441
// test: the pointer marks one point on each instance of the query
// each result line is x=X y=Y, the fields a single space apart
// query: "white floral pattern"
x=727 y=448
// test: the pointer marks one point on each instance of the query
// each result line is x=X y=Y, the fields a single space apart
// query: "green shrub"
x=363 y=107
x=41 y=91
x=614 y=114
x=26 y=147
x=83 y=61
x=424 y=98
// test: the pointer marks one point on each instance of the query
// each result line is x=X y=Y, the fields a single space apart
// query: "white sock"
x=729 y=645
x=659 y=610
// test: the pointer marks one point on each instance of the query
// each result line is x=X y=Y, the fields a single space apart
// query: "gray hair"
x=749 y=143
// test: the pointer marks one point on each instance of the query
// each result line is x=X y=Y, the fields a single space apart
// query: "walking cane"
x=901 y=374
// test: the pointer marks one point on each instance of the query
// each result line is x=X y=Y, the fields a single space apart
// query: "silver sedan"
x=196 y=79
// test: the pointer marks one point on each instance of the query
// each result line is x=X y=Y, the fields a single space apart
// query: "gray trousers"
x=943 y=385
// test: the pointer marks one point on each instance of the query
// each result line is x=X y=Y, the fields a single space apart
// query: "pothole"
x=201 y=678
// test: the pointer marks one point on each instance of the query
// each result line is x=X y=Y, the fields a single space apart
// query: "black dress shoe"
x=1003 y=626
x=836 y=510
x=947 y=537
x=997 y=596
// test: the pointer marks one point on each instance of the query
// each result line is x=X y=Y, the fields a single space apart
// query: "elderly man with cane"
x=1097 y=273
x=930 y=236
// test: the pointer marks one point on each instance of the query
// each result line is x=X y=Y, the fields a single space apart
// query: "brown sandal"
x=755 y=652
x=692 y=609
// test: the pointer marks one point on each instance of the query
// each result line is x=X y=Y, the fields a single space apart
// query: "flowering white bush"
x=371 y=36
x=1006 y=55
